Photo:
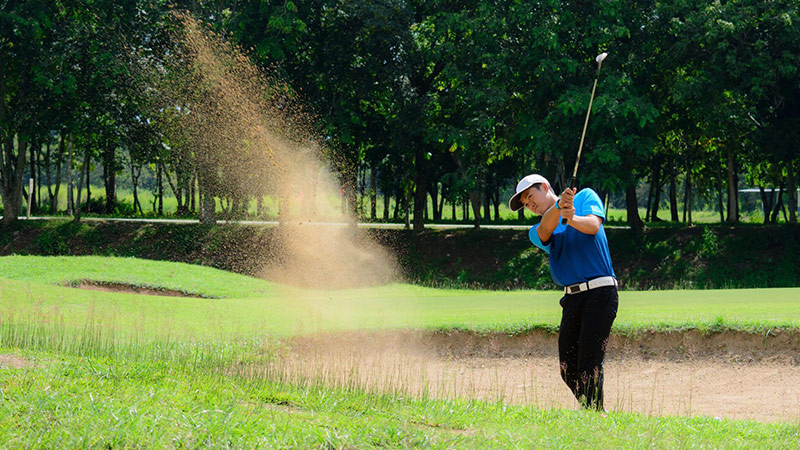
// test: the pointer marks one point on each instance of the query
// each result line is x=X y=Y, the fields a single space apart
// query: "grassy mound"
x=187 y=278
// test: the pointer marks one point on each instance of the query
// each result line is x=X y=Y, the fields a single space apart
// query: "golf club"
x=599 y=59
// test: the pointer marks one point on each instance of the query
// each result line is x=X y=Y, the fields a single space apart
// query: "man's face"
x=536 y=200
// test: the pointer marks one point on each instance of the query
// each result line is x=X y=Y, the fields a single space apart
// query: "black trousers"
x=582 y=340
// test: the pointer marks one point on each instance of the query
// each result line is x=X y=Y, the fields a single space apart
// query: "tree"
x=28 y=70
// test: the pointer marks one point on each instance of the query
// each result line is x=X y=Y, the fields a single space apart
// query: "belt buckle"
x=574 y=289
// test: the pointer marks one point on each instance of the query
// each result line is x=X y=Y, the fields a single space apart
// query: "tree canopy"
x=431 y=101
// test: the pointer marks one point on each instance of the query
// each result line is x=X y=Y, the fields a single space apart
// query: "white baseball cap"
x=515 y=204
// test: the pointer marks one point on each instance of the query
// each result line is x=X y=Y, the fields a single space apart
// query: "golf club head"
x=600 y=58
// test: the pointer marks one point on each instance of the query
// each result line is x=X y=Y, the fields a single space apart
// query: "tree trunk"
x=13 y=166
x=110 y=178
x=649 y=204
x=719 y=194
x=386 y=199
x=33 y=197
x=234 y=211
x=160 y=187
x=135 y=173
x=352 y=201
x=396 y=212
x=487 y=205
x=632 y=208
x=88 y=165
x=407 y=208
x=209 y=208
x=733 y=189
x=496 y=201
x=373 y=193
x=48 y=174
x=420 y=184
x=39 y=177
x=441 y=208
x=673 y=191
x=656 y=199
x=778 y=203
x=687 y=196
x=766 y=202
x=77 y=206
x=70 y=188
x=59 y=161
x=437 y=217
x=792 y=193
x=180 y=191
x=192 y=191
x=475 y=200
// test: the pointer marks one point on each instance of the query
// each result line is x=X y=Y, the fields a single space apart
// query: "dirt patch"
x=730 y=375
x=130 y=289
x=15 y=362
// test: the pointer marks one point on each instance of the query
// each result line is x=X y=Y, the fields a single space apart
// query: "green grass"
x=189 y=278
x=251 y=307
x=79 y=402
x=123 y=370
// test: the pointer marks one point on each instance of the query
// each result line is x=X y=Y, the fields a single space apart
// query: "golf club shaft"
x=583 y=135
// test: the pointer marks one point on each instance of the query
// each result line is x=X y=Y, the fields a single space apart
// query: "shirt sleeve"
x=590 y=204
x=533 y=235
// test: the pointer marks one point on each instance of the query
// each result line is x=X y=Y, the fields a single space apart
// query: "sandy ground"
x=763 y=389
x=14 y=362
x=129 y=289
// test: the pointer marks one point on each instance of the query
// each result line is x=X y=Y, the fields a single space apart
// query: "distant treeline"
x=447 y=102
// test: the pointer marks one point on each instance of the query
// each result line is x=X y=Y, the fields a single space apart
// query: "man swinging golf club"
x=571 y=232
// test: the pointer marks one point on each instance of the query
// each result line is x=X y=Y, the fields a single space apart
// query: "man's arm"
x=548 y=223
x=586 y=224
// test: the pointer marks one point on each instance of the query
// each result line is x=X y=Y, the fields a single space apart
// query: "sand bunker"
x=131 y=289
x=647 y=375
x=15 y=362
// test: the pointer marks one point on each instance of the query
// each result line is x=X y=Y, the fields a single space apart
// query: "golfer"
x=579 y=261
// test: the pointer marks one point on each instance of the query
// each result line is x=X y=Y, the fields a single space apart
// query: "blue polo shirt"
x=576 y=257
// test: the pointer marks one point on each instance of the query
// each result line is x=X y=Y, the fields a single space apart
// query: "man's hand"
x=567 y=212
x=567 y=198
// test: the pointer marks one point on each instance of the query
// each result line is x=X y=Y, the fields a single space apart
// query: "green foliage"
x=710 y=246
x=56 y=242
x=456 y=99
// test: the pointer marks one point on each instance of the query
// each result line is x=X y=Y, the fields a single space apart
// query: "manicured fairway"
x=248 y=307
